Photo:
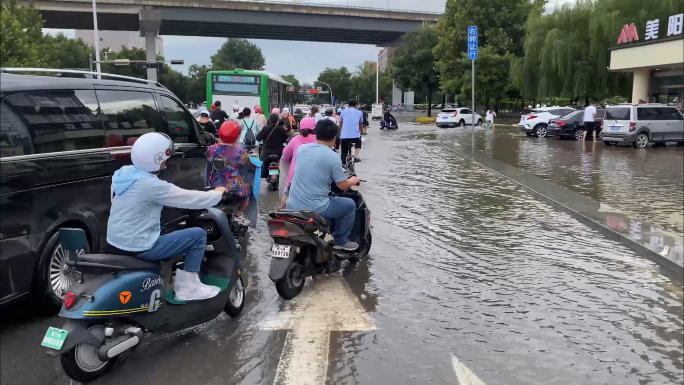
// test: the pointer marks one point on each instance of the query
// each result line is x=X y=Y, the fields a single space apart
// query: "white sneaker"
x=242 y=220
x=188 y=287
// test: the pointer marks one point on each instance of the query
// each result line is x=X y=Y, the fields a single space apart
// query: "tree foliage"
x=20 y=36
x=414 y=62
x=339 y=80
x=566 y=52
x=364 y=80
x=500 y=26
x=238 y=53
x=293 y=97
x=491 y=76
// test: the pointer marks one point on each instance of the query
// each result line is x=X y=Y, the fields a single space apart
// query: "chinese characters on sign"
x=674 y=27
x=472 y=42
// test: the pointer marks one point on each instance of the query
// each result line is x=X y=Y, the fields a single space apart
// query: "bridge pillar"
x=150 y=21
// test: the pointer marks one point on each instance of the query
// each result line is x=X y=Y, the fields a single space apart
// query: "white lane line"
x=326 y=305
x=463 y=374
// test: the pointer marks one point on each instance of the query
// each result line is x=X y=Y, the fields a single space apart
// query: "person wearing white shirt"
x=589 y=121
x=489 y=118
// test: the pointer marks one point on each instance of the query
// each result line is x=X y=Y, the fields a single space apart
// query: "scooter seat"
x=306 y=214
x=273 y=157
x=129 y=263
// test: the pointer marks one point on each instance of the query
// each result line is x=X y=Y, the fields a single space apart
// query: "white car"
x=452 y=117
x=537 y=123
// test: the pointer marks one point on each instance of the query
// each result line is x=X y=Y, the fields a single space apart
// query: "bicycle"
x=349 y=160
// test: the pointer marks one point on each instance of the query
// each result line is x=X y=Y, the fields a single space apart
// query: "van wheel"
x=461 y=124
x=641 y=141
x=292 y=283
x=53 y=276
x=479 y=122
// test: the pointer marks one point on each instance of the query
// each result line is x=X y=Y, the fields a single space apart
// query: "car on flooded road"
x=452 y=117
x=62 y=140
x=571 y=125
x=537 y=122
x=643 y=124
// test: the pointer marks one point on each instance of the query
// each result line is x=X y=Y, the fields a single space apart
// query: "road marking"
x=464 y=375
x=326 y=305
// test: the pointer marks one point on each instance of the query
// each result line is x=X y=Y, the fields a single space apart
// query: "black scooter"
x=273 y=178
x=391 y=126
x=118 y=300
x=304 y=244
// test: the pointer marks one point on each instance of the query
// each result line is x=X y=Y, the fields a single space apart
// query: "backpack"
x=250 y=138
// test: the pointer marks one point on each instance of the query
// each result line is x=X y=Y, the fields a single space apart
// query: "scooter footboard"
x=77 y=334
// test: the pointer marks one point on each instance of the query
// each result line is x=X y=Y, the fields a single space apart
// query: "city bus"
x=247 y=89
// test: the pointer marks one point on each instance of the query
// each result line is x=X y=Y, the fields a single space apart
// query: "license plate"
x=54 y=338
x=280 y=251
x=445 y=118
x=615 y=128
x=273 y=171
x=552 y=124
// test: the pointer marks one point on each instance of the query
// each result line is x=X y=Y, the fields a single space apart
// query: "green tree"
x=20 y=36
x=339 y=80
x=499 y=25
x=238 y=53
x=62 y=52
x=491 y=77
x=197 y=83
x=414 y=62
x=363 y=83
x=566 y=52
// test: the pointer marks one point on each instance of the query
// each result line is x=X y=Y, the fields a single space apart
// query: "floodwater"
x=465 y=267
x=645 y=183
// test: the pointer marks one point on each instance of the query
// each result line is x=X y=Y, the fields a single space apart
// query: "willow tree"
x=566 y=52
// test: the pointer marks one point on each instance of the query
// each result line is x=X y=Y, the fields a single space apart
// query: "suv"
x=61 y=139
x=452 y=117
x=537 y=123
x=638 y=125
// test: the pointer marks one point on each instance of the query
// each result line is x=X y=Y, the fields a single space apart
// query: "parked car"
x=61 y=139
x=572 y=125
x=641 y=124
x=452 y=117
x=536 y=123
x=303 y=110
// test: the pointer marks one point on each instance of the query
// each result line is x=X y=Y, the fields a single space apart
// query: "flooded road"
x=645 y=183
x=469 y=276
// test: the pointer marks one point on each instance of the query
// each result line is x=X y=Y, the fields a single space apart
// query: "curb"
x=638 y=248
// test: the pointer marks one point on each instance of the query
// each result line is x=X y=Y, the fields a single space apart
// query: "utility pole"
x=96 y=32
x=472 y=55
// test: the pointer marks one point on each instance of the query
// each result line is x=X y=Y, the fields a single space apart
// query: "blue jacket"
x=138 y=198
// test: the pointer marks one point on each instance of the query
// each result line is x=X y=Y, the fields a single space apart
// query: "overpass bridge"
x=230 y=18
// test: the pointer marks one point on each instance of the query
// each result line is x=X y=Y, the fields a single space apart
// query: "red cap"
x=229 y=132
x=257 y=109
x=213 y=106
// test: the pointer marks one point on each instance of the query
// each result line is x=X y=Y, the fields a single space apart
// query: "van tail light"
x=532 y=117
x=632 y=126
x=455 y=113
x=560 y=123
x=69 y=299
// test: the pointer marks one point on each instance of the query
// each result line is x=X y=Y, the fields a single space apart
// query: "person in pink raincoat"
x=307 y=127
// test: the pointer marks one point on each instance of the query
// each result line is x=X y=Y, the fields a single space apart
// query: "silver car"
x=641 y=124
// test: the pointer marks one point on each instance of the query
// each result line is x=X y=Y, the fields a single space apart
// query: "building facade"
x=656 y=60
x=114 y=40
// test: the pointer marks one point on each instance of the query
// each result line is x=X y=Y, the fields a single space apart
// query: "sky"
x=305 y=60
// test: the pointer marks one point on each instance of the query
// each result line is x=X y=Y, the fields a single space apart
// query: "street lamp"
x=329 y=88
x=96 y=32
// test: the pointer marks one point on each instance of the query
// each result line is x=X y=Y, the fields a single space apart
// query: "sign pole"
x=473 y=111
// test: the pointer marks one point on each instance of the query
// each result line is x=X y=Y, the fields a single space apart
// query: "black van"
x=61 y=139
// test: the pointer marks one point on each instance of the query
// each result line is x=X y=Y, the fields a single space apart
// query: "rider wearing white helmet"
x=138 y=196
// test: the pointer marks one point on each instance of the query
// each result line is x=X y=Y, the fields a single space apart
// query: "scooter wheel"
x=82 y=362
x=292 y=284
x=236 y=299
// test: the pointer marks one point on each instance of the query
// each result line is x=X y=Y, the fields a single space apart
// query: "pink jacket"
x=291 y=150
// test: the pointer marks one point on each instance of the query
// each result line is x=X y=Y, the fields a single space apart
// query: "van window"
x=669 y=114
x=649 y=113
x=128 y=115
x=40 y=122
x=622 y=113
x=180 y=123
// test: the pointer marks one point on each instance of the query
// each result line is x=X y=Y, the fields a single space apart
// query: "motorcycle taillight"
x=278 y=229
x=69 y=299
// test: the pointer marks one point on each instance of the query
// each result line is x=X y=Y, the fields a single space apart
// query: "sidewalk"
x=665 y=248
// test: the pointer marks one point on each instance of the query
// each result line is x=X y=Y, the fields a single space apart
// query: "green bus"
x=247 y=89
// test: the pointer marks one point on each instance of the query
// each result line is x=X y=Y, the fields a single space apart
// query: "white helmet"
x=286 y=110
x=236 y=107
x=151 y=150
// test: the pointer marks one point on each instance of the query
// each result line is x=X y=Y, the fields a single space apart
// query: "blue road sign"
x=472 y=42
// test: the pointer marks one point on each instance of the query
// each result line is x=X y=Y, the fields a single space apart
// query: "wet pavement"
x=469 y=277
